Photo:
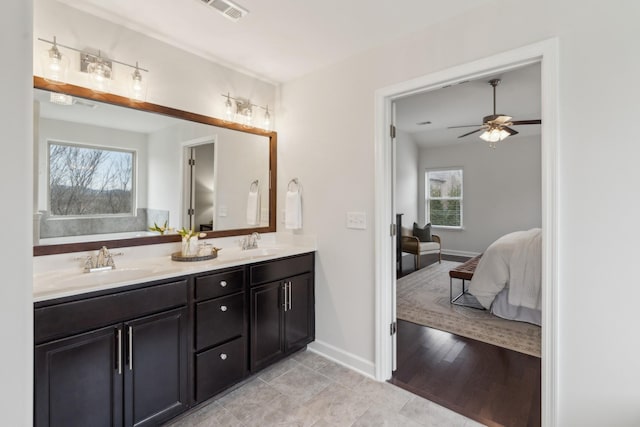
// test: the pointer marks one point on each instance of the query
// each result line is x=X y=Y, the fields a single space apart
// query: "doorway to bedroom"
x=544 y=53
x=456 y=196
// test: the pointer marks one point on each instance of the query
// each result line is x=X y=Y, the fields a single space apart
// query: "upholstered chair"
x=413 y=245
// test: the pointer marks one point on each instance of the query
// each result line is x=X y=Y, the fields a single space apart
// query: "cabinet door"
x=77 y=380
x=266 y=324
x=299 y=314
x=156 y=368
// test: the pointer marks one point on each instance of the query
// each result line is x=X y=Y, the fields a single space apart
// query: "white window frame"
x=134 y=180
x=428 y=198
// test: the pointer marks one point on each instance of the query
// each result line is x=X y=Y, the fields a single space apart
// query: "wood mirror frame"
x=38 y=250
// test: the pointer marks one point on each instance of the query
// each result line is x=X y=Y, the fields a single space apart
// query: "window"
x=90 y=181
x=443 y=204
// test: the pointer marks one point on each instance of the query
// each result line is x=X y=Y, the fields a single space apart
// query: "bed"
x=507 y=279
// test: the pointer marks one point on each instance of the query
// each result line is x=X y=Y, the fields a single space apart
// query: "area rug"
x=423 y=298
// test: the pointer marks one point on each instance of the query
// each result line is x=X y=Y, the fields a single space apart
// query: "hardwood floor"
x=490 y=384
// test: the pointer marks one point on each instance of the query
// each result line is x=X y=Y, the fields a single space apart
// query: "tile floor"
x=308 y=390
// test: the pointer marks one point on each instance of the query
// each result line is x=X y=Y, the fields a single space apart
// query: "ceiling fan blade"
x=470 y=133
x=511 y=131
x=465 y=126
x=526 y=122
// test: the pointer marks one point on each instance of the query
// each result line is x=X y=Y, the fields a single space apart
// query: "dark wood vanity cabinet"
x=282 y=317
x=144 y=354
x=131 y=371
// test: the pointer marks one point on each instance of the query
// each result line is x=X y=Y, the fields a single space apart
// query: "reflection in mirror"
x=107 y=172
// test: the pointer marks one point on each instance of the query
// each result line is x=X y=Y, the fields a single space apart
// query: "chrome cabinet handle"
x=289 y=299
x=223 y=356
x=119 y=351
x=223 y=308
x=284 y=291
x=223 y=283
x=130 y=348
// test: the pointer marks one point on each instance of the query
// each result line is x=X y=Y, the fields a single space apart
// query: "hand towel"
x=253 y=208
x=293 y=210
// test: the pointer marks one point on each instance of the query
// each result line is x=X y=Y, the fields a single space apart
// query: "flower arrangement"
x=188 y=234
x=190 y=241
x=160 y=229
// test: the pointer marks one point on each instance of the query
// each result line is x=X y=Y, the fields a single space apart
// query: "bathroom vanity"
x=142 y=353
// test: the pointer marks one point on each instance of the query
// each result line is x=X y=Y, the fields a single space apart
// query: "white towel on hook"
x=253 y=207
x=293 y=210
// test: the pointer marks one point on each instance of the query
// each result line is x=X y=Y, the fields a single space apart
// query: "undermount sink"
x=237 y=254
x=78 y=279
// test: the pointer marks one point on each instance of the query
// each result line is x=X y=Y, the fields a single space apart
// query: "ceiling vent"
x=228 y=9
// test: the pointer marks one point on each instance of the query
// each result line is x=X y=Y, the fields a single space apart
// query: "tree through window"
x=443 y=205
x=87 y=180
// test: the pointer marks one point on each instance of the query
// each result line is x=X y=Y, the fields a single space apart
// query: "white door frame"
x=546 y=53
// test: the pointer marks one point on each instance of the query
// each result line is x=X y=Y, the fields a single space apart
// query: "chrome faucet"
x=250 y=241
x=103 y=260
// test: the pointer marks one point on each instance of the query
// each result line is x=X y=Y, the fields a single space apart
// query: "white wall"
x=16 y=359
x=329 y=145
x=407 y=177
x=242 y=158
x=501 y=189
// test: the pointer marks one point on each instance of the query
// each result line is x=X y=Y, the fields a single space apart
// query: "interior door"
x=394 y=320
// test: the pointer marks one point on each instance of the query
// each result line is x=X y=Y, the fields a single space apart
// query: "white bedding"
x=513 y=261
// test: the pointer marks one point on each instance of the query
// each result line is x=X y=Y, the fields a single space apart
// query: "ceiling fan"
x=496 y=126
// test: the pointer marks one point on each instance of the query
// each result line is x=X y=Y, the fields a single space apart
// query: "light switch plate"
x=357 y=220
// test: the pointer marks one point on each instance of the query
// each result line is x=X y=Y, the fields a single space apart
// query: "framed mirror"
x=107 y=170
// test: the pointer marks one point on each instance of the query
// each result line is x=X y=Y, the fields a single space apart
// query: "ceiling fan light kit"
x=496 y=126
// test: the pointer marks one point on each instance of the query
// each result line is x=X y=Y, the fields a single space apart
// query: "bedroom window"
x=90 y=181
x=443 y=198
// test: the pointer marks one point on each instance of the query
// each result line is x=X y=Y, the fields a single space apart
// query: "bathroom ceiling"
x=279 y=40
x=518 y=95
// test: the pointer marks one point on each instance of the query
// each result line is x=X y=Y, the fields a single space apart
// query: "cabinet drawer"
x=66 y=319
x=220 y=367
x=219 y=320
x=272 y=271
x=219 y=284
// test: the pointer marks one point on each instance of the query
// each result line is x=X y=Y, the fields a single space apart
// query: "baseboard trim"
x=346 y=359
x=459 y=253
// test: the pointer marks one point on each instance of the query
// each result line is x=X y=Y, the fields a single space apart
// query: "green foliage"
x=445 y=212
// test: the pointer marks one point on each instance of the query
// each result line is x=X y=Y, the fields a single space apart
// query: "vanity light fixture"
x=137 y=85
x=267 y=119
x=98 y=67
x=54 y=64
x=61 y=98
x=243 y=112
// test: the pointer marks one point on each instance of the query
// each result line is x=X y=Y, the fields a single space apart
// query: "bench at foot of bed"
x=463 y=272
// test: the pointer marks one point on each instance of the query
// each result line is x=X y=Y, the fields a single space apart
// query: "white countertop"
x=57 y=276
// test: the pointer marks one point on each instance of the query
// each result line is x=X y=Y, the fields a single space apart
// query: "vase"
x=190 y=246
